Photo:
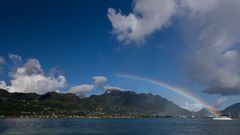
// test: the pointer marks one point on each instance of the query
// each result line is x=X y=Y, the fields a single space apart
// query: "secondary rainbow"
x=181 y=91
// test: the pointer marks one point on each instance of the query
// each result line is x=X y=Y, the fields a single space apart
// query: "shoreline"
x=107 y=117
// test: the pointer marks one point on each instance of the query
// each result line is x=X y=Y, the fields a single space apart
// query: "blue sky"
x=79 y=40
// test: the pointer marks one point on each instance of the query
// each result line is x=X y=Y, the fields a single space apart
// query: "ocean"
x=137 y=126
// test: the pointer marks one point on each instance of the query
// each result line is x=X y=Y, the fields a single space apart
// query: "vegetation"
x=112 y=103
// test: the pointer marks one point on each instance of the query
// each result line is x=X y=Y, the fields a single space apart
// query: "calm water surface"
x=119 y=126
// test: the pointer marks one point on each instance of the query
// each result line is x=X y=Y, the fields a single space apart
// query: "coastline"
x=103 y=117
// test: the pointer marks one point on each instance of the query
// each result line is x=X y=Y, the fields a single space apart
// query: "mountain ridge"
x=111 y=102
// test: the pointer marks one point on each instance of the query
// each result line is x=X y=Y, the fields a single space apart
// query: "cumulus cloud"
x=212 y=31
x=215 y=55
x=147 y=17
x=215 y=59
x=99 y=80
x=198 y=6
x=31 y=78
x=3 y=85
x=2 y=60
x=81 y=89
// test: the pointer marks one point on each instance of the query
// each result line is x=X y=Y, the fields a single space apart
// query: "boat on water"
x=222 y=118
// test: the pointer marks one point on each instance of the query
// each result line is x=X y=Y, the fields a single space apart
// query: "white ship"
x=222 y=118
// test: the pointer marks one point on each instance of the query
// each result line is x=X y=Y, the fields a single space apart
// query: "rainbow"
x=181 y=91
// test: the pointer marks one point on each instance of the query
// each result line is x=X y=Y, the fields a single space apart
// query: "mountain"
x=4 y=93
x=111 y=103
x=115 y=101
x=203 y=113
x=233 y=110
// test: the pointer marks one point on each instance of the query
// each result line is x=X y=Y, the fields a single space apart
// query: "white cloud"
x=212 y=31
x=99 y=80
x=2 y=60
x=147 y=17
x=199 y=6
x=113 y=88
x=16 y=59
x=192 y=106
x=215 y=55
x=31 y=78
x=81 y=89
x=3 y=85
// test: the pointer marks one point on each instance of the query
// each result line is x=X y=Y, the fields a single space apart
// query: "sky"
x=83 y=46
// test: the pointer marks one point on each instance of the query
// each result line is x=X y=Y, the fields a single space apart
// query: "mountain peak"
x=113 y=101
x=4 y=92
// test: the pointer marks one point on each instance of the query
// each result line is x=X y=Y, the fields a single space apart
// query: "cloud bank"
x=215 y=60
x=30 y=78
x=212 y=30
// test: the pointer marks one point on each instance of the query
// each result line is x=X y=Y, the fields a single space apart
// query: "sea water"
x=141 y=126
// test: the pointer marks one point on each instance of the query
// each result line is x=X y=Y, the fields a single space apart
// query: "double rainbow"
x=181 y=91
